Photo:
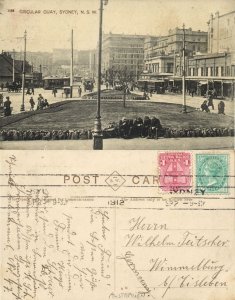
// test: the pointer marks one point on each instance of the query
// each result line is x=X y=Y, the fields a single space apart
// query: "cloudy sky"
x=46 y=30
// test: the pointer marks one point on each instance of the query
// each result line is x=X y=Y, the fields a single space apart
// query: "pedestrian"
x=2 y=86
x=54 y=91
x=7 y=107
x=210 y=101
x=107 y=85
x=28 y=91
x=154 y=128
x=214 y=93
x=45 y=103
x=79 y=91
x=192 y=92
x=204 y=106
x=146 y=125
x=32 y=103
x=39 y=104
x=221 y=107
x=32 y=90
x=67 y=92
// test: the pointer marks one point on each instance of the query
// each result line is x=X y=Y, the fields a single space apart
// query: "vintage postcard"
x=81 y=225
x=117 y=74
x=152 y=76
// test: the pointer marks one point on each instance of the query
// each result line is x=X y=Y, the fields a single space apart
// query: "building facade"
x=7 y=65
x=216 y=69
x=160 y=53
x=122 y=56
x=221 y=33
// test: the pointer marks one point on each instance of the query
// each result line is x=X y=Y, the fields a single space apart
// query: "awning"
x=228 y=82
x=202 y=82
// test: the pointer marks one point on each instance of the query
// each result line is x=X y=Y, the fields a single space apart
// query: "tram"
x=51 y=82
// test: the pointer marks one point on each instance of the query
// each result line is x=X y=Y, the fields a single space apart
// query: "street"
x=196 y=101
x=122 y=144
x=16 y=98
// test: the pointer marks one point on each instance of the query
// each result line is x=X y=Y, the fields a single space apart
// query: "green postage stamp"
x=212 y=173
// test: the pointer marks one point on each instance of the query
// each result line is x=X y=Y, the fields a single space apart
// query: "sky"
x=49 y=26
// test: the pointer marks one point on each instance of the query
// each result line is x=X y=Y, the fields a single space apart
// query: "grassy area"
x=80 y=114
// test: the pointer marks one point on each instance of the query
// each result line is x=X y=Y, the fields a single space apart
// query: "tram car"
x=157 y=86
x=51 y=82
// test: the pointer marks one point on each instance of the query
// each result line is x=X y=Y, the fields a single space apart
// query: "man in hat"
x=32 y=103
x=7 y=107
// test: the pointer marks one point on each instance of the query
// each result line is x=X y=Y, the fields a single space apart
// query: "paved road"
x=221 y=143
x=192 y=101
x=16 y=99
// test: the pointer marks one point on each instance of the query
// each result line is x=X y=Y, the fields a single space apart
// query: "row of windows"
x=127 y=61
x=210 y=71
x=120 y=50
x=114 y=57
x=127 y=44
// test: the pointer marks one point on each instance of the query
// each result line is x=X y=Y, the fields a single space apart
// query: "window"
x=206 y=71
x=202 y=72
x=217 y=71
x=169 y=68
x=228 y=71
x=222 y=71
x=212 y=71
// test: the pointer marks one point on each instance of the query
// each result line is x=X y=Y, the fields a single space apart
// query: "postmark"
x=175 y=171
x=212 y=173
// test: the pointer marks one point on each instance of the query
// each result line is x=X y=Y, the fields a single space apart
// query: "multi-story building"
x=160 y=53
x=221 y=33
x=122 y=56
x=216 y=69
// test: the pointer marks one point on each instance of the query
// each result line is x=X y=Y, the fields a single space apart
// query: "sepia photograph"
x=117 y=75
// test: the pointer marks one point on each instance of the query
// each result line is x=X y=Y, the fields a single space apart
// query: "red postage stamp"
x=175 y=171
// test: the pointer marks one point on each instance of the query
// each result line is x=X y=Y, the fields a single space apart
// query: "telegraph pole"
x=71 y=67
x=94 y=69
x=97 y=136
x=183 y=77
x=13 y=66
x=23 y=73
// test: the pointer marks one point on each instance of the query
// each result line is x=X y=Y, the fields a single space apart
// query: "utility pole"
x=97 y=136
x=71 y=67
x=13 y=66
x=23 y=73
x=94 y=68
x=183 y=75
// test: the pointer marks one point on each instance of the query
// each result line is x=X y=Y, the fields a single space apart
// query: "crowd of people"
x=128 y=128
x=41 y=104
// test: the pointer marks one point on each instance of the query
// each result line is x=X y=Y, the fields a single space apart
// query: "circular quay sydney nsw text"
x=115 y=74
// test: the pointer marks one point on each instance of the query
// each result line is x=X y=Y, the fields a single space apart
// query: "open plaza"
x=133 y=88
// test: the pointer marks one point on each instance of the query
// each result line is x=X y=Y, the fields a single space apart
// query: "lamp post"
x=97 y=136
x=183 y=75
x=22 y=108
